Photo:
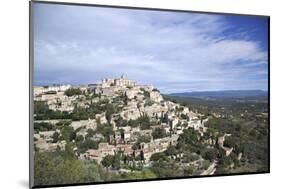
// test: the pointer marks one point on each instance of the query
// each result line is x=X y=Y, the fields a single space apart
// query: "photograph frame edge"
x=31 y=95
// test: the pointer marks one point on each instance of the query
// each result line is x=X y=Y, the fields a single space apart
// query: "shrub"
x=72 y=92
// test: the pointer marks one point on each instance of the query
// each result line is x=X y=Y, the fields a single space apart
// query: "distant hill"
x=223 y=94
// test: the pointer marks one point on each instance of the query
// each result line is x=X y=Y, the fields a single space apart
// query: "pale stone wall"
x=156 y=96
x=40 y=90
x=88 y=124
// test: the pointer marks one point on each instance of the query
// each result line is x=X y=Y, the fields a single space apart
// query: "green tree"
x=210 y=154
x=79 y=139
x=43 y=126
x=171 y=151
x=90 y=133
x=159 y=157
x=109 y=111
x=55 y=137
x=107 y=161
x=146 y=94
x=53 y=168
x=133 y=123
x=184 y=116
x=88 y=144
x=94 y=171
x=159 y=133
x=40 y=107
x=105 y=129
x=72 y=91
x=68 y=134
x=120 y=122
x=116 y=161
x=146 y=174
x=144 y=122
x=165 y=169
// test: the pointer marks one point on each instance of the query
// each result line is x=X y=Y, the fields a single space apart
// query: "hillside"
x=223 y=94
x=119 y=130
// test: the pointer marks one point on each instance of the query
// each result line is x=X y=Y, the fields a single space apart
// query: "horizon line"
x=215 y=90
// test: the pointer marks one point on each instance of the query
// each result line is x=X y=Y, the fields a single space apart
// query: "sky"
x=174 y=51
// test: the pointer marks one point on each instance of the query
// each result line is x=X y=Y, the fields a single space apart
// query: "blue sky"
x=175 y=52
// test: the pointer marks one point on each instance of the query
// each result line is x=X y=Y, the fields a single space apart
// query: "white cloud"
x=188 y=50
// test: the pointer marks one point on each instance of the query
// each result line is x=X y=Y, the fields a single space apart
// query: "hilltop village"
x=121 y=124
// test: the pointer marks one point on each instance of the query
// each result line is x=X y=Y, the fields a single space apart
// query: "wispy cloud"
x=173 y=51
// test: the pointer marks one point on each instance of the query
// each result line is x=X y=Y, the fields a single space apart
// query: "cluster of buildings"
x=147 y=149
x=109 y=86
x=55 y=97
x=38 y=90
x=134 y=101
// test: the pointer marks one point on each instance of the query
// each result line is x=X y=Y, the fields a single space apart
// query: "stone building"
x=122 y=81
x=45 y=89
x=156 y=96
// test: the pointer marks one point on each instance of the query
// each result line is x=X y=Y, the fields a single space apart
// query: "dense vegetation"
x=73 y=91
x=62 y=167
x=246 y=119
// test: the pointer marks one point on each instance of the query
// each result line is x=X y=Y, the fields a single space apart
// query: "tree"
x=87 y=144
x=72 y=92
x=116 y=161
x=145 y=174
x=159 y=157
x=189 y=170
x=155 y=90
x=40 y=107
x=189 y=136
x=159 y=133
x=142 y=155
x=80 y=114
x=144 y=138
x=148 y=102
x=107 y=161
x=68 y=134
x=43 y=126
x=120 y=122
x=144 y=122
x=109 y=111
x=226 y=161
x=94 y=171
x=231 y=142
x=90 y=133
x=79 y=139
x=55 y=137
x=53 y=168
x=105 y=129
x=189 y=157
x=184 y=116
x=133 y=123
x=213 y=133
x=210 y=154
x=146 y=94
x=136 y=146
x=165 y=169
x=125 y=99
x=171 y=151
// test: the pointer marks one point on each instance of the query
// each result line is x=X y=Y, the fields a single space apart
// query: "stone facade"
x=45 y=89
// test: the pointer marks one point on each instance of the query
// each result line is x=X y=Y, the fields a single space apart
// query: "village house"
x=101 y=117
x=38 y=90
x=156 y=96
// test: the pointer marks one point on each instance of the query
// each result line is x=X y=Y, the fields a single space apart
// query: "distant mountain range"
x=223 y=94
